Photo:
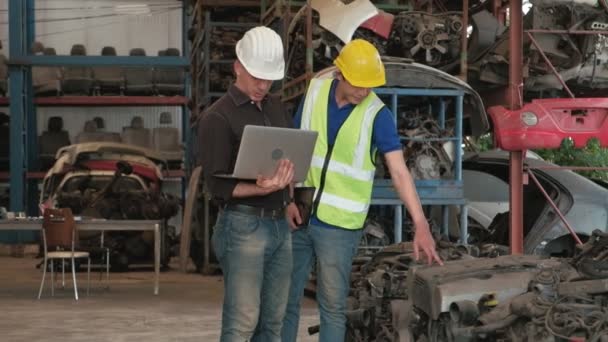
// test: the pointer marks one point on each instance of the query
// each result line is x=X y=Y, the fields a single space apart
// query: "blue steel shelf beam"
x=141 y=61
x=221 y=61
x=22 y=112
x=18 y=78
x=31 y=117
x=186 y=132
x=418 y=92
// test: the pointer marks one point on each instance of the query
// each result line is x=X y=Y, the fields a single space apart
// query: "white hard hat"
x=260 y=51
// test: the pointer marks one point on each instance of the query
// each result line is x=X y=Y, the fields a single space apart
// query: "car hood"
x=71 y=155
x=77 y=151
x=403 y=73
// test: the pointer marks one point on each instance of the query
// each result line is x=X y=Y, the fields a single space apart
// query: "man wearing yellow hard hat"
x=353 y=125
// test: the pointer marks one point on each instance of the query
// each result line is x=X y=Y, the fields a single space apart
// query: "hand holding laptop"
x=263 y=147
x=283 y=175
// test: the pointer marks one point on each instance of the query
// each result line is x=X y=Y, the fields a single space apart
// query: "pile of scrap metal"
x=112 y=181
x=562 y=30
x=556 y=28
x=432 y=39
x=480 y=294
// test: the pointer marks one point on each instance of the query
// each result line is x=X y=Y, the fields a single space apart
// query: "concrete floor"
x=188 y=307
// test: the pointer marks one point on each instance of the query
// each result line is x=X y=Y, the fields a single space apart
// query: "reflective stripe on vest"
x=349 y=173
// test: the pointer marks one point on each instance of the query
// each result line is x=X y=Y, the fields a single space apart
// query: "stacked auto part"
x=578 y=58
x=432 y=39
x=117 y=182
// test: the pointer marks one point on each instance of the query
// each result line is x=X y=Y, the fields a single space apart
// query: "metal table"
x=103 y=226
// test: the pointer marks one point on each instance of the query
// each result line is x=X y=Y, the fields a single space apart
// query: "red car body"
x=546 y=123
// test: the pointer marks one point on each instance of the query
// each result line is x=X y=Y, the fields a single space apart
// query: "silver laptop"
x=262 y=147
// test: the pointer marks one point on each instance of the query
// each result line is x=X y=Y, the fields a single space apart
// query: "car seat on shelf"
x=136 y=134
x=46 y=80
x=77 y=80
x=166 y=140
x=109 y=80
x=51 y=140
x=167 y=80
x=139 y=81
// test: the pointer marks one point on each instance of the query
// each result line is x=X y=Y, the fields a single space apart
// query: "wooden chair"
x=59 y=236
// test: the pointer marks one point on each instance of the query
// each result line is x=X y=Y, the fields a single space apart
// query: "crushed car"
x=113 y=181
x=486 y=186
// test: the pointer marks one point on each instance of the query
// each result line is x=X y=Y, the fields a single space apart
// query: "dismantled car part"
x=545 y=123
x=432 y=39
x=113 y=181
x=343 y=19
x=426 y=156
x=480 y=294
x=577 y=60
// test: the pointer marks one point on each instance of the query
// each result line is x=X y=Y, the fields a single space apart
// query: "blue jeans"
x=334 y=250
x=255 y=256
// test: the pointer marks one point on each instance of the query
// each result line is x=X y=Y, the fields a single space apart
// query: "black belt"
x=256 y=211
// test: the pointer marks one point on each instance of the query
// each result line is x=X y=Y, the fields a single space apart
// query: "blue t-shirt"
x=384 y=134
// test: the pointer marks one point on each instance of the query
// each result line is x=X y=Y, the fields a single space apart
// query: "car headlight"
x=529 y=118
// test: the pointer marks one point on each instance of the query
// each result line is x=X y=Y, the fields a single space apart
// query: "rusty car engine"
x=480 y=294
x=426 y=156
x=431 y=39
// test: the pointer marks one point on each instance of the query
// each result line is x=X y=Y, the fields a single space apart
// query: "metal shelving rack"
x=209 y=25
x=200 y=58
x=23 y=138
x=202 y=97
x=442 y=192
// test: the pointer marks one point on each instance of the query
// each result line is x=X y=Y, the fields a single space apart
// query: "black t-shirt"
x=219 y=136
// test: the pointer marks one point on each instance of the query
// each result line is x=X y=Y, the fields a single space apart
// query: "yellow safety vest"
x=344 y=175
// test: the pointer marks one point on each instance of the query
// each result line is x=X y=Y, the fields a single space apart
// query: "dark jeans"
x=334 y=250
x=255 y=256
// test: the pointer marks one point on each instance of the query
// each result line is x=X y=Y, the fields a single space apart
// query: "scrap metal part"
x=476 y=298
x=579 y=59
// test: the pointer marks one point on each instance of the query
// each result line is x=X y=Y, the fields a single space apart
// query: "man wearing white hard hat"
x=251 y=238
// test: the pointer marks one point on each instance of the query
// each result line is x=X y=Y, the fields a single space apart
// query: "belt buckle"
x=269 y=213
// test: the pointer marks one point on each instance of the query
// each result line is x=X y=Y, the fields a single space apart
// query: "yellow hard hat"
x=359 y=62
